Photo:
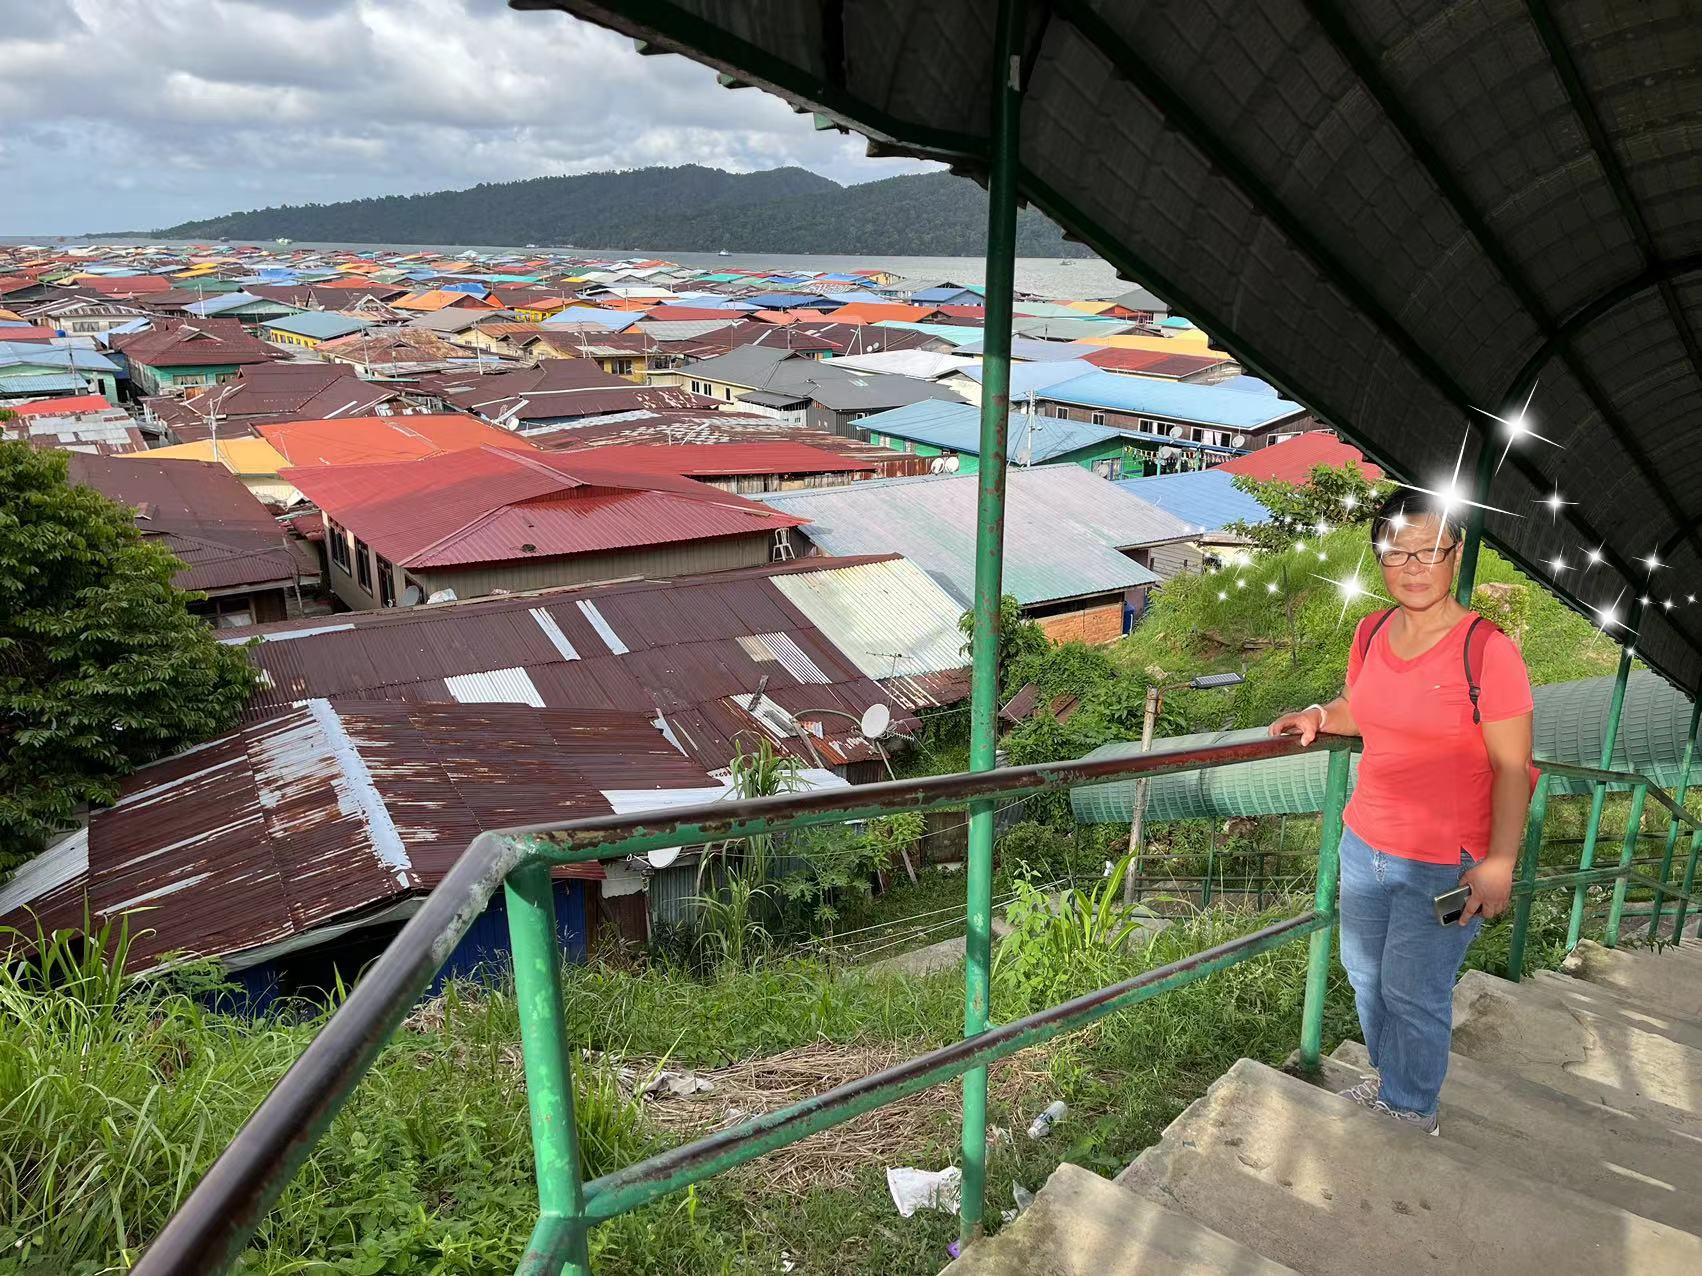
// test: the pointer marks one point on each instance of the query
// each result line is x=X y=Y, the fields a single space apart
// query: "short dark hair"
x=1412 y=504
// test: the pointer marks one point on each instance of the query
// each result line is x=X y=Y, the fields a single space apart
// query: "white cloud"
x=125 y=114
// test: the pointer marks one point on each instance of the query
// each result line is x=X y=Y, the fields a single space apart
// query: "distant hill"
x=685 y=209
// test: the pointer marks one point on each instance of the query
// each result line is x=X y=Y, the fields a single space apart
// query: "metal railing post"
x=1473 y=542
x=1672 y=823
x=1324 y=902
x=1000 y=278
x=1534 y=820
x=1575 y=925
x=1628 y=852
x=559 y=1241
x=1687 y=886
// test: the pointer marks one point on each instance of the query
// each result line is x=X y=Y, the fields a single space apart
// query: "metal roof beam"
x=1145 y=79
x=1336 y=29
x=1560 y=54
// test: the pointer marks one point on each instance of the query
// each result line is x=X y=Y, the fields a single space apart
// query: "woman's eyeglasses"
x=1428 y=557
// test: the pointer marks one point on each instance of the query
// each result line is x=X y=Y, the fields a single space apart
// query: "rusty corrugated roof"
x=327 y=811
x=694 y=649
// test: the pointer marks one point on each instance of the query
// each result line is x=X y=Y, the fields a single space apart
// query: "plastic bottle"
x=1055 y=1112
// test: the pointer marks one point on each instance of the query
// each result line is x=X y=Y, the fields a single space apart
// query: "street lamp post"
x=1155 y=702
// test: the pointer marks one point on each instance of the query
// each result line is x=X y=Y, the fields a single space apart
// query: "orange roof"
x=366 y=439
x=875 y=311
x=439 y=299
x=782 y=316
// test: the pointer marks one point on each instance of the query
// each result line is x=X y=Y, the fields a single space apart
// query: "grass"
x=112 y=1104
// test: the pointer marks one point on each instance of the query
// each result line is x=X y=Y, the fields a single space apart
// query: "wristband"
x=1323 y=716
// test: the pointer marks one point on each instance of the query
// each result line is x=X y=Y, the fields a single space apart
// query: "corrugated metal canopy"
x=1570 y=723
x=1396 y=214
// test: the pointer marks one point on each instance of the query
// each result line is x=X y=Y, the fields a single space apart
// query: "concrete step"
x=1525 y=1031
x=1329 y=1188
x=1319 y=1183
x=1594 y=999
x=1083 y=1225
x=1637 y=1164
x=1651 y=980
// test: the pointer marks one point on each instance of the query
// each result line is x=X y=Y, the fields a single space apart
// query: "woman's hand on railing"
x=1304 y=724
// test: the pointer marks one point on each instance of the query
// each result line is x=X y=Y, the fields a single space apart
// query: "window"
x=386 y=583
x=1098 y=418
x=363 y=565
x=619 y=367
x=338 y=540
x=1061 y=412
x=729 y=393
x=234 y=616
x=696 y=387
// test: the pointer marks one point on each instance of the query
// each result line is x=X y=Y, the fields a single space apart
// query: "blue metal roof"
x=1172 y=400
x=221 y=303
x=321 y=325
x=40 y=383
x=1248 y=385
x=784 y=300
x=17 y=353
x=1200 y=498
x=945 y=296
x=1032 y=378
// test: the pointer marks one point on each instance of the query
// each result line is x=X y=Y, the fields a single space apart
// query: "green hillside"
x=684 y=209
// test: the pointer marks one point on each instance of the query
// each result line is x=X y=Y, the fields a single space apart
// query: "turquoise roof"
x=321 y=325
x=956 y=427
x=956 y=334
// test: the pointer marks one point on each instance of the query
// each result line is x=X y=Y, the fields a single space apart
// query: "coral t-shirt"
x=1423 y=791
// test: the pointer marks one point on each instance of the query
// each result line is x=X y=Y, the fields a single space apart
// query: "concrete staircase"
x=1571 y=1142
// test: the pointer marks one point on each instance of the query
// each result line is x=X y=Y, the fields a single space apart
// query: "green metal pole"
x=1627 y=853
x=1687 y=886
x=1575 y=926
x=559 y=1242
x=989 y=569
x=1474 y=525
x=1324 y=901
x=1528 y=875
x=1672 y=823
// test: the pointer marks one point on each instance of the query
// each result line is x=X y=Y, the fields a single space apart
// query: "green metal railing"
x=219 y=1217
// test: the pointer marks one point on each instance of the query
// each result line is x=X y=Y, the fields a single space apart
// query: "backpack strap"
x=1474 y=673
x=1367 y=634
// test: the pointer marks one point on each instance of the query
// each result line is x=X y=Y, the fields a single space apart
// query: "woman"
x=1440 y=801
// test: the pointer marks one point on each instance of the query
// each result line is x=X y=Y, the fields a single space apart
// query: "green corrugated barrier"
x=1570 y=722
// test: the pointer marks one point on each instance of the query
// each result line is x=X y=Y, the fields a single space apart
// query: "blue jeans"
x=1402 y=964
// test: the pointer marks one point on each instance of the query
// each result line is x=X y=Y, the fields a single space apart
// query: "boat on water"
x=723 y=253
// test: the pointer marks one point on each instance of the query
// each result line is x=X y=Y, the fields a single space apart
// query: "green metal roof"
x=1570 y=723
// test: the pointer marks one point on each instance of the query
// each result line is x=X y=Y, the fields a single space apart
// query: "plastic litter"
x=1023 y=1198
x=914 y=1189
x=1055 y=1112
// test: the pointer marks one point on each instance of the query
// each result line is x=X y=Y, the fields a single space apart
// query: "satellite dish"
x=936 y=465
x=876 y=721
x=1174 y=431
x=411 y=596
x=952 y=464
x=662 y=856
x=1240 y=440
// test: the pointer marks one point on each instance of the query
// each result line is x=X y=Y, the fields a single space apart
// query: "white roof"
x=925 y=365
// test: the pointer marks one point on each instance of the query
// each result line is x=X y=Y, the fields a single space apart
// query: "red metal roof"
x=71 y=405
x=201 y=512
x=327 y=810
x=368 y=439
x=1293 y=459
x=203 y=342
x=488 y=505
x=26 y=332
x=707 y=460
x=1152 y=363
x=693 y=649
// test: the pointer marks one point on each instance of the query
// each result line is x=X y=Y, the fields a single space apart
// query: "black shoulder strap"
x=1473 y=675
x=1383 y=619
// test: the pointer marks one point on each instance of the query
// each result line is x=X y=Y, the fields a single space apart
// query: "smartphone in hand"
x=1451 y=905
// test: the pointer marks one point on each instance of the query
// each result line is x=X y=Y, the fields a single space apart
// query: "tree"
x=102 y=668
x=1333 y=496
x=1018 y=638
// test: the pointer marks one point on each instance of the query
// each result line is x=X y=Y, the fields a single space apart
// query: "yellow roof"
x=1091 y=307
x=1191 y=341
x=251 y=458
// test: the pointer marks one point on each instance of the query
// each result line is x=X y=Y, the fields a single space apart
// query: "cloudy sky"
x=132 y=114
